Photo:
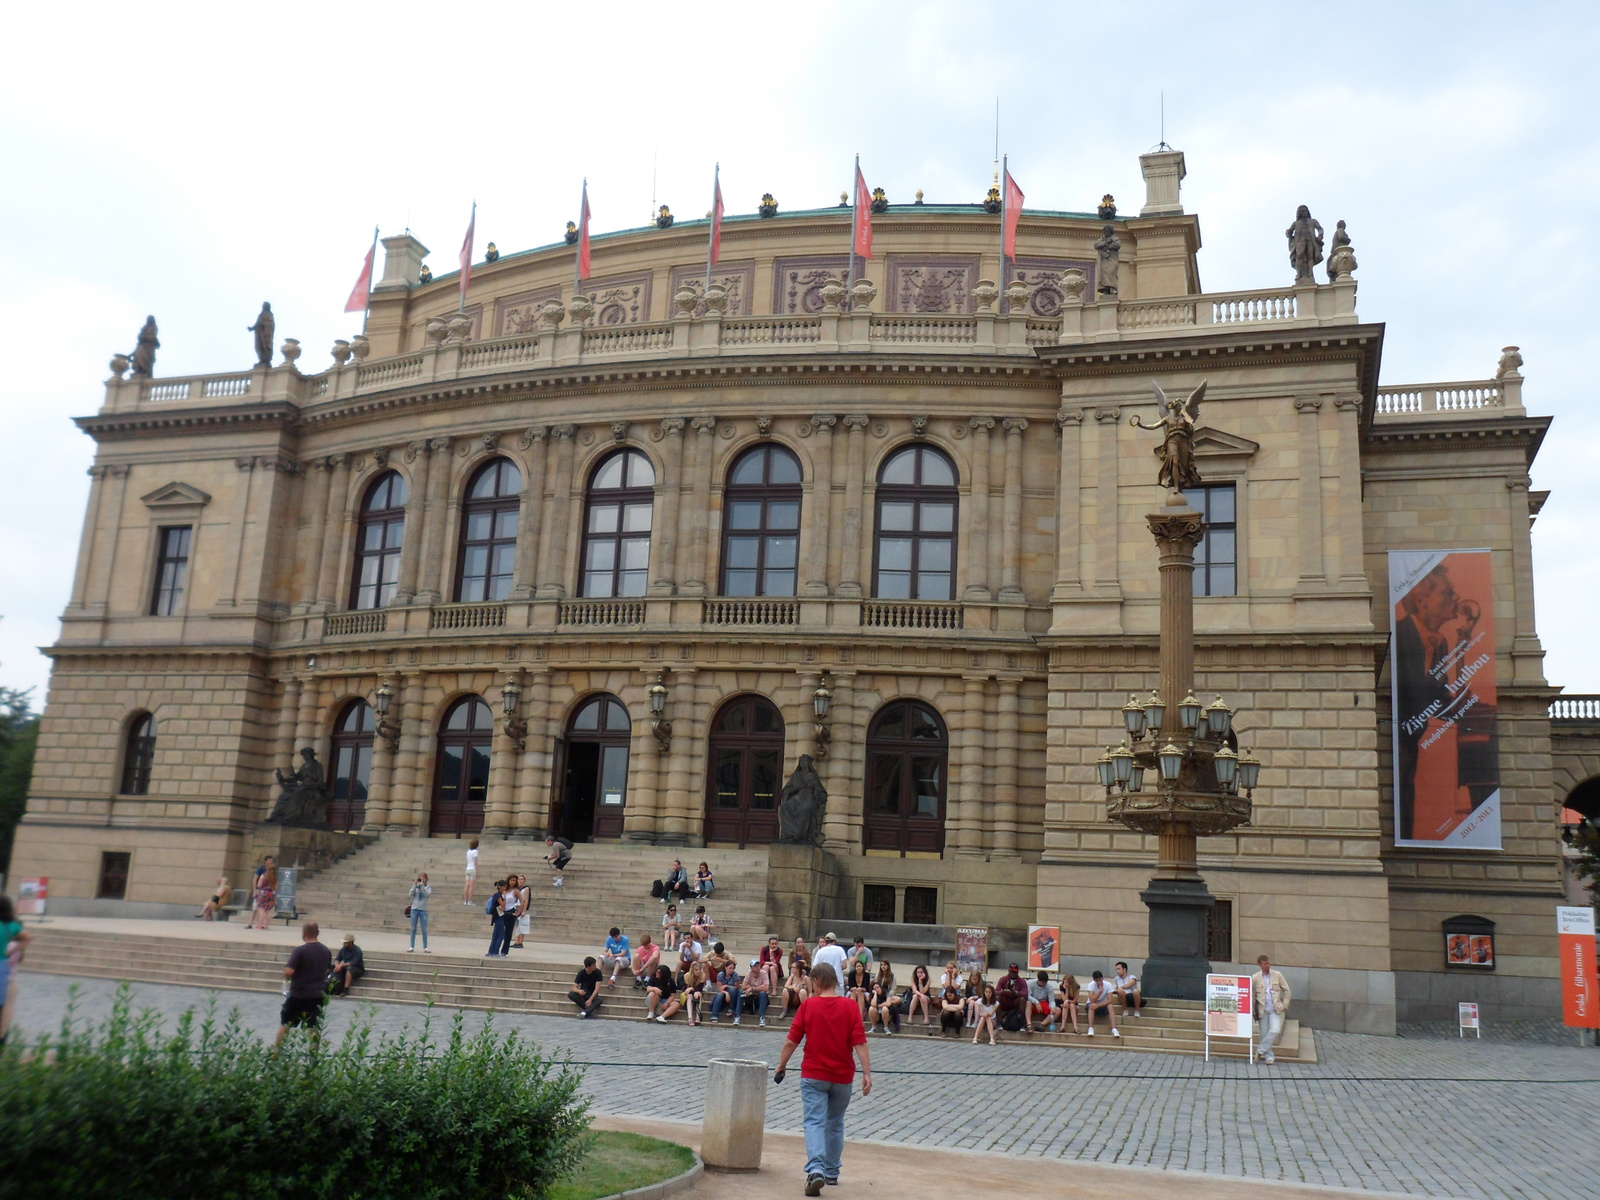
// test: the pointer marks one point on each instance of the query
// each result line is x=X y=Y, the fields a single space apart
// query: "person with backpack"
x=1012 y=992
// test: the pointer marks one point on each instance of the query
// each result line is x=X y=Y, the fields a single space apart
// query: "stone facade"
x=1048 y=621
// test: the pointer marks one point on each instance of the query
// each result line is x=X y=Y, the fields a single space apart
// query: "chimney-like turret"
x=1163 y=177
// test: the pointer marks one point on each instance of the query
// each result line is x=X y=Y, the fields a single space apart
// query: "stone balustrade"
x=1449 y=401
x=1575 y=708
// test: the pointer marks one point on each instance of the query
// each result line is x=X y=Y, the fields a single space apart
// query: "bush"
x=208 y=1110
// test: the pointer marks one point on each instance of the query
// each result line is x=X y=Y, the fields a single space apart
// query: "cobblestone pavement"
x=1423 y=1115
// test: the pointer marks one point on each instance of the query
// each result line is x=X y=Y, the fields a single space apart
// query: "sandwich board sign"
x=1230 y=1011
x=1467 y=1018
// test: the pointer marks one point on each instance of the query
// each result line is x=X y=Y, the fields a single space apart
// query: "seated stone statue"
x=304 y=800
x=802 y=804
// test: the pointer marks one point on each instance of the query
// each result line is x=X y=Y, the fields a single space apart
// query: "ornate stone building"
x=923 y=499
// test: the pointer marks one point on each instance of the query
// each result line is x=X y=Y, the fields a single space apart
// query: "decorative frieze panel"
x=1044 y=275
x=520 y=313
x=620 y=299
x=797 y=282
x=738 y=279
x=932 y=285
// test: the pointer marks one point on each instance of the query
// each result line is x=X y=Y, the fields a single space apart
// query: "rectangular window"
x=172 y=569
x=1216 y=558
x=113 y=875
x=877 y=902
x=922 y=906
x=1219 y=927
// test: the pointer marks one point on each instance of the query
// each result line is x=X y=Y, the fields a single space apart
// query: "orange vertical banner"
x=1580 y=991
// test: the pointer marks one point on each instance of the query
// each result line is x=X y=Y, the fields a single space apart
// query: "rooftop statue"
x=801 y=805
x=1341 y=258
x=1177 y=447
x=263 y=330
x=1305 y=244
x=144 y=354
x=304 y=800
x=1109 y=247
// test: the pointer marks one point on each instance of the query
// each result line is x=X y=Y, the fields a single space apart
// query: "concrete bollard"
x=736 y=1114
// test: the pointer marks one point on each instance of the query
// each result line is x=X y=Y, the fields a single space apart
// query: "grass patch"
x=618 y=1162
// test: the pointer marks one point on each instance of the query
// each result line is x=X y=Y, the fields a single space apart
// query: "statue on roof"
x=1177 y=424
x=144 y=354
x=1109 y=247
x=1305 y=244
x=1341 y=258
x=263 y=328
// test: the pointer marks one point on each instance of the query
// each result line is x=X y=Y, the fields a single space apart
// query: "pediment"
x=1214 y=443
x=176 y=495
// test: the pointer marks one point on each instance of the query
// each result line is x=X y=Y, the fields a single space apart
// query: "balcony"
x=910 y=614
x=600 y=613
x=750 y=612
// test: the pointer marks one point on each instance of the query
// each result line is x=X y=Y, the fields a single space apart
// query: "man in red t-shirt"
x=830 y=1026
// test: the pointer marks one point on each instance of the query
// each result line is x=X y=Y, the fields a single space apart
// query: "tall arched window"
x=914 y=554
x=138 y=752
x=489 y=532
x=761 y=524
x=352 y=766
x=461 y=774
x=908 y=755
x=591 y=773
x=382 y=528
x=616 y=527
x=745 y=773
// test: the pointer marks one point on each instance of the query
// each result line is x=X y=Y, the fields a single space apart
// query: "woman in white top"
x=669 y=928
x=985 y=1008
x=524 y=918
x=472 y=870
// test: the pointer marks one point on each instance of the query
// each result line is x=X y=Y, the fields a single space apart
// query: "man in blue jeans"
x=830 y=1026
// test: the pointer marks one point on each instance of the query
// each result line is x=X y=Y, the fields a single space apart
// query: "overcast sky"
x=191 y=161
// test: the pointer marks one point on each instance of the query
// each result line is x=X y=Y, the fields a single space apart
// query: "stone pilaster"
x=1011 y=533
x=103 y=564
x=502 y=778
x=664 y=552
x=1003 y=843
x=841 y=822
x=405 y=709
x=86 y=539
x=1352 y=537
x=283 y=748
x=1312 y=574
x=333 y=531
x=978 y=515
x=533 y=778
x=1068 y=582
x=381 y=787
x=228 y=591
x=850 y=535
x=694 y=523
x=673 y=825
x=531 y=527
x=429 y=569
x=416 y=456
x=311 y=565
x=553 y=556
x=821 y=504
x=974 y=736
x=1106 y=578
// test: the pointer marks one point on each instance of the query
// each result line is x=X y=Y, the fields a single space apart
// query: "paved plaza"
x=1424 y=1115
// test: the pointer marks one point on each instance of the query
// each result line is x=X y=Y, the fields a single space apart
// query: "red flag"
x=466 y=253
x=863 y=245
x=583 y=235
x=1013 y=205
x=716 y=218
x=363 y=288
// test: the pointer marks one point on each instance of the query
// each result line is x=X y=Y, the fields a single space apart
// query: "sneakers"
x=1116 y=1033
x=411 y=949
x=814 y=1185
x=736 y=1020
x=763 y=1022
x=1269 y=1059
x=425 y=950
x=583 y=1014
x=831 y=1182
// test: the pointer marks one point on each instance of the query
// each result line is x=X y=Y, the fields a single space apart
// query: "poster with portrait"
x=972 y=948
x=1044 y=947
x=1442 y=679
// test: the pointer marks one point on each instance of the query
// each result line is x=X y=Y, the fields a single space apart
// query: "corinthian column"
x=1011 y=543
x=416 y=454
x=694 y=523
x=531 y=528
x=433 y=520
x=850 y=536
x=333 y=529
x=978 y=520
x=821 y=502
x=663 y=555
x=553 y=559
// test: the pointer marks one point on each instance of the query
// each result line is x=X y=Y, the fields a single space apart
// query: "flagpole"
x=711 y=234
x=466 y=267
x=577 y=246
x=855 y=218
x=1005 y=187
x=373 y=254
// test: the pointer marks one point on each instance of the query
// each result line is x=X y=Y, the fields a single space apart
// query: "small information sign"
x=1467 y=1018
x=31 y=897
x=1580 y=992
x=972 y=948
x=1230 y=1011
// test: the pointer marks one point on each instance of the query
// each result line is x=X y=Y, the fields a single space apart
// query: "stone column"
x=103 y=567
x=1068 y=582
x=1527 y=654
x=978 y=517
x=533 y=781
x=843 y=779
x=428 y=571
x=228 y=592
x=1011 y=540
x=821 y=502
x=664 y=551
x=86 y=539
x=530 y=528
x=694 y=561
x=1106 y=499
x=673 y=825
x=333 y=530
x=321 y=475
x=975 y=735
x=1310 y=503
x=850 y=535
x=415 y=454
x=1004 y=844
x=305 y=721
x=382 y=786
x=645 y=766
x=553 y=554
x=283 y=755
x=405 y=710
x=502 y=777
x=1352 y=534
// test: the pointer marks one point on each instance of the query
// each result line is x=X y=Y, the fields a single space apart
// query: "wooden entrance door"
x=745 y=773
x=461 y=771
x=352 y=767
x=908 y=755
x=595 y=792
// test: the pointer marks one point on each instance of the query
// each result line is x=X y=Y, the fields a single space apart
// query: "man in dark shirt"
x=587 y=994
x=558 y=858
x=1012 y=993
x=349 y=965
x=307 y=973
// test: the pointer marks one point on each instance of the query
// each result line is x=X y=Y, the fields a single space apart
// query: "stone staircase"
x=515 y=985
x=606 y=884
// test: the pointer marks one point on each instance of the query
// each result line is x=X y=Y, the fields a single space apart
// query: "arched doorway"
x=352 y=767
x=461 y=770
x=591 y=772
x=745 y=773
x=908 y=753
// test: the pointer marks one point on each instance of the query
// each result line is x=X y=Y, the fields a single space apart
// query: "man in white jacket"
x=1271 y=992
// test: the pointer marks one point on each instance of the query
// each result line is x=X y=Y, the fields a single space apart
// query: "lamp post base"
x=1177 y=966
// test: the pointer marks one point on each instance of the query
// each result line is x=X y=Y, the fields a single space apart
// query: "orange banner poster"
x=1442 y=656
x=1044 y=947
x=1580 y=992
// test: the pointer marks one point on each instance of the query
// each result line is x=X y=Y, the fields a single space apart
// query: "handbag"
x=408 y=910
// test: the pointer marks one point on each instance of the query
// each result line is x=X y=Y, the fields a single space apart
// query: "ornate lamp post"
x=516 y=727
x=1199 y=785
x=821 y=703
x=659 y=725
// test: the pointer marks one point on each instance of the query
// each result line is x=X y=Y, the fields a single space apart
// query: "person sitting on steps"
x=675 y=884
x=1102 y=996
x=220 y=899
x=704 y=883
x=663 y=997
x=558 y=858
x=586 y=995
x=669 y=927
x=618 y=953
x=645 y=961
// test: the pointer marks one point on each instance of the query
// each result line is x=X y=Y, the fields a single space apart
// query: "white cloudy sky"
x=193 y=160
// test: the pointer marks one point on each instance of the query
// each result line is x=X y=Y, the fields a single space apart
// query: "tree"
x=19 y=735
x=1586 y=841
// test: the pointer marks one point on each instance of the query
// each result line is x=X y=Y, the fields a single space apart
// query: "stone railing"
x=626 y=339
x=467 y=616
x=502 y=352
x=352 y=623
x=916 y=329
x=1575 y=708
x=388 y=372
x=771 y=331
x=1413 y=398
x=200 y=387
x=909 y=614
x=750 y=612
x=600 y=612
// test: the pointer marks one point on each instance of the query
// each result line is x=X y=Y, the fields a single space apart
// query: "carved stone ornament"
x=144 y=354
x=435 y=331
x=412 y=450
x=619 y=431
x=959 y=430
x=769 y=206
x=491 y=442
x=290 y=350
x=880 y=429
x=986 y=294
x=460 y=328
x=802 y=805
x=1177 y=424
x=360 y=347
x=1067 y=416
x=919 y=427
x=1017 y=294
x=586 y=438
x=1109 y=248
x=704 y=425
x=581 y=309
x=832 y=294
x=380 y=456
x=119 y=365
x=763 y=426
x=551 y=315
x=1305 y=244
x=341 y=351
x=727 y=431
x=1510 y=362
x=857 y=423
x=804 y=429
x=1074 y=281
x=532 y=434
x=862 y=295
x=716 y=299
x=563 y=432
x=1341 y=258
x=684 y=300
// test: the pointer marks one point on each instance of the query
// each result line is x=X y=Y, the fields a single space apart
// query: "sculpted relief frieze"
x=738 y=279
x=620 y=300
x=520 y=313
x=1044 y=276
x=797 y=283
x=932 y=285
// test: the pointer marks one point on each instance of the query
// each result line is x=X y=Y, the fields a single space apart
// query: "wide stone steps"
x=514 y=985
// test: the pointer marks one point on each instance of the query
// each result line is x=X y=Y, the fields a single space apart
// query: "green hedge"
x=208 y=1110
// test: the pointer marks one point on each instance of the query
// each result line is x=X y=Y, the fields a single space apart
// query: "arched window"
x=461 y=774
x=382 y=528
x=745 y=773
x=352 y=767
x=761 y=524
x=616 y=527
x=915 y=550
x=137 y=754
x=908 y=755
x=591 y=773
x=489 y=532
